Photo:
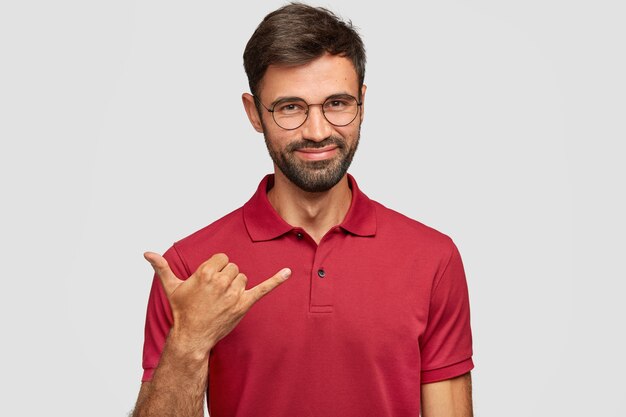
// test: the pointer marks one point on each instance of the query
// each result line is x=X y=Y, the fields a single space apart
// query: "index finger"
x=254 y=294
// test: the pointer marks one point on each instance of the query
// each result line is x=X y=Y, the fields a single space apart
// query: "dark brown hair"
x=297 y=34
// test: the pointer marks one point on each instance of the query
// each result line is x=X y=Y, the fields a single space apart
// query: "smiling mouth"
x=316 y=154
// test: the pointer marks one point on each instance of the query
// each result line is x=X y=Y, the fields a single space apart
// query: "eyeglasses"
x=291 y=113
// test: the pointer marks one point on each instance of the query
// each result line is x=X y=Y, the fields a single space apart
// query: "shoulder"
x=210 y=239
x=411 y=233
x=224 y=226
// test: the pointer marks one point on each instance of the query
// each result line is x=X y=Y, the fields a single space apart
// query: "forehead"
x=316 y=80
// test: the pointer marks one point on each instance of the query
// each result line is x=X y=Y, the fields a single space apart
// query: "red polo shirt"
x=379 y=307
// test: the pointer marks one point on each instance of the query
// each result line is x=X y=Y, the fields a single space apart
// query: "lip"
x=317 y=154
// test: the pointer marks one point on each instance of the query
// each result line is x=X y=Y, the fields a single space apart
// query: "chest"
x=346 y=299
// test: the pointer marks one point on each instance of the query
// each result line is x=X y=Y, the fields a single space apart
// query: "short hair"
x=297 y=34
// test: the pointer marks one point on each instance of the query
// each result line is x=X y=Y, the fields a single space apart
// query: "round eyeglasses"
x=291 y=113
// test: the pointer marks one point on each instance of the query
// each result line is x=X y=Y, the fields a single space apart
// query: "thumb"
x=162 y=269
x=262 y=289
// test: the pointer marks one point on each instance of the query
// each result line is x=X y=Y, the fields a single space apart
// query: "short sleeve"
x=446 y=345
x=159 y=315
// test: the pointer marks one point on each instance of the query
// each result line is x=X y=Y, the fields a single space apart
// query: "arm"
x=446 y=346
x=448 y=398
x=178 y=386
x=205 y=308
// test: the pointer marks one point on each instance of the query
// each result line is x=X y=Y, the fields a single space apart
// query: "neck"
x=316 y=213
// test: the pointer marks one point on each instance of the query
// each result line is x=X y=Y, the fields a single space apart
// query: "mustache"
x=308 y=144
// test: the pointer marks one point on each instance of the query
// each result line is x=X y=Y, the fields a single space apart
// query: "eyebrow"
x=295 y=98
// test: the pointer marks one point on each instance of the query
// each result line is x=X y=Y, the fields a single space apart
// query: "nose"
x=316 y=127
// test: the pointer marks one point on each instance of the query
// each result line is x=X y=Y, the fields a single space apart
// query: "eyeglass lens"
x=292 y=113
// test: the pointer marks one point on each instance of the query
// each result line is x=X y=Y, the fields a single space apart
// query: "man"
x=365 y=312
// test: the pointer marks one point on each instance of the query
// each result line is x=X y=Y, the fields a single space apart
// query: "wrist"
x=188 y=348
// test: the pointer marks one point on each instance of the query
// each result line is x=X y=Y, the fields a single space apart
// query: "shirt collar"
x=264 y=223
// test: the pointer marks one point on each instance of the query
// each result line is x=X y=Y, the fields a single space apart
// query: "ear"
x=363 y=89
x=253 y=115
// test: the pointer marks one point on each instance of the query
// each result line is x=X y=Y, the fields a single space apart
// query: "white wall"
x=498 y=123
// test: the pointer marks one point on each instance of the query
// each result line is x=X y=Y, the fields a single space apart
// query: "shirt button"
x=321 y=273
x=299 y=235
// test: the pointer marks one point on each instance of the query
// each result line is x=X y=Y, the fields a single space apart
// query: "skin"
x=209 y=304
x=314 y=82
x=449 y=398
x=205 y=308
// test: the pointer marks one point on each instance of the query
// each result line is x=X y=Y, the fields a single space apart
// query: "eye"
x=290 y=107
x=337 y=104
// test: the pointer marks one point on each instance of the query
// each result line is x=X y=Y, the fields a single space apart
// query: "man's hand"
x=211 y=302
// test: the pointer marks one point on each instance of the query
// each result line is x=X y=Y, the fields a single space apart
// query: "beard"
x=314 y=176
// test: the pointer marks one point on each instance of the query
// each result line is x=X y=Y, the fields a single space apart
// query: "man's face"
x=315 y=156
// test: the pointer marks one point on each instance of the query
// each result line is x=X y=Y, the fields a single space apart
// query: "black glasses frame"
x=308 y=106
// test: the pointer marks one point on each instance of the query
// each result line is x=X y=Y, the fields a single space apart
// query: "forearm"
x=178 y=386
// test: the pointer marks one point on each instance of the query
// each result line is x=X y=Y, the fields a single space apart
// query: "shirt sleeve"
x=159 y=315
x=446 y=346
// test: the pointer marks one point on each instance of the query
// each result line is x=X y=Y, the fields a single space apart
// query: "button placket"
x=322 y=279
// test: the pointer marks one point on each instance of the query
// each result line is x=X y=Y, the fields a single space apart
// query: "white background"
x=500 y=123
